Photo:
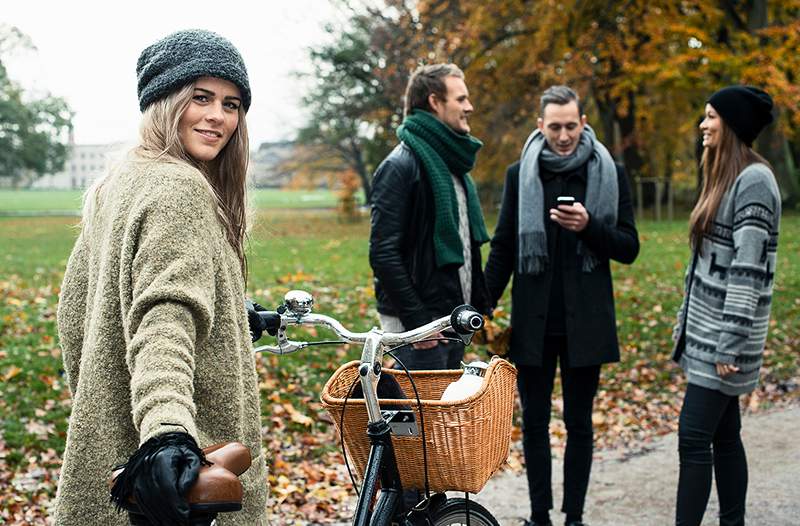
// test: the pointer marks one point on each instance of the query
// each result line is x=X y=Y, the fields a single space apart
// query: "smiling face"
x=711 y=127
x=456 y=108
x=562 y=125
x=211 y=118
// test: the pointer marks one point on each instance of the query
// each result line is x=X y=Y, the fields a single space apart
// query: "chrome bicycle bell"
x=298 y=302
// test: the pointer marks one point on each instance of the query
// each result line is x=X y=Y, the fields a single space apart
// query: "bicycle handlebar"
x=464 y=321
x=296 y=310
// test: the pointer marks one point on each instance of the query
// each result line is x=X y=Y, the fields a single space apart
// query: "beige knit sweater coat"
x=154 y=337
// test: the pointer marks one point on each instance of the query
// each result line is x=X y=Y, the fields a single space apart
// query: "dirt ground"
x=640 y=490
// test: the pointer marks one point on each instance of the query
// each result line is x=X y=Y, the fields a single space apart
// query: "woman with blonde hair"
x=722 y=324
x=152 y=320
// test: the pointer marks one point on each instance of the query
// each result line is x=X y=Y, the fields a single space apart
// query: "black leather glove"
x=158 y=476
x=257 y=325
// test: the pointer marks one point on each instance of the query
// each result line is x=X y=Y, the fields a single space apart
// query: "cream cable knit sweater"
x=154 y=336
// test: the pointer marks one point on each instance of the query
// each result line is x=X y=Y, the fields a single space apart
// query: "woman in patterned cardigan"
x=722 y=324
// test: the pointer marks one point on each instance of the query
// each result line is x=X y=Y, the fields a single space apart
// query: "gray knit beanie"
x=185 y=56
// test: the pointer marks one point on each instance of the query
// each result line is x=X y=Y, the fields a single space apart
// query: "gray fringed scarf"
x=601 y=195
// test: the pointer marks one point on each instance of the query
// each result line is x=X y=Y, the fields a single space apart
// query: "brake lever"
x=281 y=335
x=285 y=345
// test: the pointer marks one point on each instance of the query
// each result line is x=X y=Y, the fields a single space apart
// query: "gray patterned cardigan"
x=728 y=288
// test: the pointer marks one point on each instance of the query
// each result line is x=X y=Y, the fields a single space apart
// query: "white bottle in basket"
x=468 y=384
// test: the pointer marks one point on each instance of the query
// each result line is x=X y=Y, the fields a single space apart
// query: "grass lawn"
x=69 y=201
x=312 y=250
x=40 y=200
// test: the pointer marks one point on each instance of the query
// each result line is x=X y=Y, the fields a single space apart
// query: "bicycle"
x=381 y=472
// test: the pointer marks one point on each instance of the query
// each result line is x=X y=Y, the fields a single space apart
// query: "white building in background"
x=84 y=164
x=269 y=165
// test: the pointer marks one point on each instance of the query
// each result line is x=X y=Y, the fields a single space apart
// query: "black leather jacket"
x=408 y=283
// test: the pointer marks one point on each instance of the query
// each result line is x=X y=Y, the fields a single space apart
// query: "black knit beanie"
x=745 y=109
x=185 y=56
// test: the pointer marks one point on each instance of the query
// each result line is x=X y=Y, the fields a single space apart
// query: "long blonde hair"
x=226 y=174
x=721 y=165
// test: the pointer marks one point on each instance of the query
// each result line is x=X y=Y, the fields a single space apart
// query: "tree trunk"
x=757 y=17
x=631 y=157
x=360 y=167
x=630 y=148
x=793 y=163
x=772 y=144
x=698 y=156
x=606 y=108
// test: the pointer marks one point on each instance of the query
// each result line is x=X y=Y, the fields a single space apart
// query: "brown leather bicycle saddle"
x=218 y=488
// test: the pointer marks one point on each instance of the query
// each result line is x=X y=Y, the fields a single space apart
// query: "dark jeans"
x=579 y=385
x=446 y=355
x=710 y=421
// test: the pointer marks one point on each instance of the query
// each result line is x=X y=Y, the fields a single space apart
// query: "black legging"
x=579 y=385
x=709 y=417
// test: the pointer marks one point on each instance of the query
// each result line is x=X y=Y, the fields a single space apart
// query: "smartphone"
x=565 y=200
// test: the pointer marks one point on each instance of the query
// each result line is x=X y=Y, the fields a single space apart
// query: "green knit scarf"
x=444 y=152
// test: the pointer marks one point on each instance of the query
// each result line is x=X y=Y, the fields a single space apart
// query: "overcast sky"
x=87 y=51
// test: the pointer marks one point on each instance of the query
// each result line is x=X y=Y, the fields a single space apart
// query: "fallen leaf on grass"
x=42 y=431
x=296 y=416
x=296 y=277
x=11 y=372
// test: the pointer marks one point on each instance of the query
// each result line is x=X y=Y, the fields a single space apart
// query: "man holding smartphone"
x=566 y=212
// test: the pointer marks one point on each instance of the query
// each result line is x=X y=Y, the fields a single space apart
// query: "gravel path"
x=641 y=490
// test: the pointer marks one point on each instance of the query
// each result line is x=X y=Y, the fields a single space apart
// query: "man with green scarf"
x=426 y=222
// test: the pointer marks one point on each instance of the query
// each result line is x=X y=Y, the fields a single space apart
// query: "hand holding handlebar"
x=429 y=343
x=159 y=475
x=260 y=320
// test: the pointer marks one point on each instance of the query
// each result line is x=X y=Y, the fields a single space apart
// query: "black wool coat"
x=586 y=299
x=408 y=282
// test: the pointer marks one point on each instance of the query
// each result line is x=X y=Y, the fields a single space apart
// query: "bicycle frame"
x=381 y=466
x=381 y=462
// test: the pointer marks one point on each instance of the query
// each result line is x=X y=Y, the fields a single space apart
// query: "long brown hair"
x=721 y=165
x=226 y=174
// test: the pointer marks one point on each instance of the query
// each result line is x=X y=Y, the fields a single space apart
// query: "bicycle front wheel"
x=454 y=513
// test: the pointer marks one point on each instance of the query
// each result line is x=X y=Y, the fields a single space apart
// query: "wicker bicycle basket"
x=467 y=440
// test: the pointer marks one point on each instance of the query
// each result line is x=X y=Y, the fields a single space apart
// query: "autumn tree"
x=33 y=132
x=355 y=103
x=644 y=69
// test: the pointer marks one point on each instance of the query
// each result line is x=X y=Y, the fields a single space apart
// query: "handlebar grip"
x=271 y=321
x=465 y=320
